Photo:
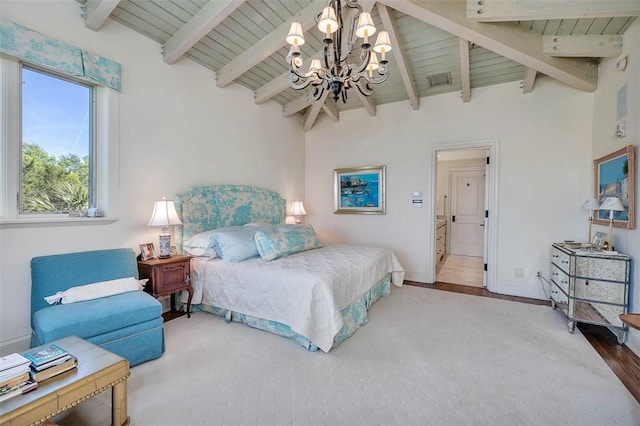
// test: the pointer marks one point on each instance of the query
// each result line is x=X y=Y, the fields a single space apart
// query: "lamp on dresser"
x=613 y=204
x=165 y=215
x=591 y=204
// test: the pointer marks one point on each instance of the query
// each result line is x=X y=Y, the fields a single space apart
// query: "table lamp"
x=591 y=204
x=164 y=214
x=297 y=211
x=613 y=204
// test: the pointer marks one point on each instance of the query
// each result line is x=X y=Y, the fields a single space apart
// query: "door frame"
x=491 y=187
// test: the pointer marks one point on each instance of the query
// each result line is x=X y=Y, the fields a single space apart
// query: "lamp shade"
x=315 y=66
x=365 y=25
x=612 y=204
x=328 y=23
x=295 y=37
x=591 y=204
x=297 y=209
x=373 y=62
x=383 y=43
x=164 y=214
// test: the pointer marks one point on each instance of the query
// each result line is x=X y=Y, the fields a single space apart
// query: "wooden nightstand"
x=167 y=276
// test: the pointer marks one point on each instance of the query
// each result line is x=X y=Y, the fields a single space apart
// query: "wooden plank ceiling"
x=438 y=46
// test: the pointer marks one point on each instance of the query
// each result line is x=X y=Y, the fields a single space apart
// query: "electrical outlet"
x=519 y=273
x=621 y=129
x=539 y=274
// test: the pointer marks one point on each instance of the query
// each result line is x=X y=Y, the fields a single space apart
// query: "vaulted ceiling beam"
x=465 y=75
x=266 y=47
x=583 y=46
x=399 y=57
x=508 y=40
x=207 y=18
x=312 y=114
x=272 y=88
x=96 y=12
x=297 y=104
x=519 y=10
x=332 y=110
x=368 y=103
x=529 y=80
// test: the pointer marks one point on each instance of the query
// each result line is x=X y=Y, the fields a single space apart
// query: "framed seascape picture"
x=614 y=176
x=359 y=190
x=147 y=251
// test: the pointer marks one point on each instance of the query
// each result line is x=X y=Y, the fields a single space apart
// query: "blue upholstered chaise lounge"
x=128 y=324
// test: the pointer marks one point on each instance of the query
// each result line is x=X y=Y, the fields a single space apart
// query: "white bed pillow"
x=235 y=244
x=201 y=244
x=96 y=290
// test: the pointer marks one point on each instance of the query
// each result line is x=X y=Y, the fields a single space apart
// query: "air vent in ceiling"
x=439 y=79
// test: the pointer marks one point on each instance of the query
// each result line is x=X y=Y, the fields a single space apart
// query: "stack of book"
x=48 y=361
x=15 y=376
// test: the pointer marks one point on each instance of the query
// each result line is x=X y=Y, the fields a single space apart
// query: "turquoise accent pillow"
x=235 y=244
x=274 y=244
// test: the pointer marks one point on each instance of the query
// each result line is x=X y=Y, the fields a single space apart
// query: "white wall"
x=544 y=172
x=605 y=141
x=176 y=130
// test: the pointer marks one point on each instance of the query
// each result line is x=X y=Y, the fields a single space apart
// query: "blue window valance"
x=39 y=49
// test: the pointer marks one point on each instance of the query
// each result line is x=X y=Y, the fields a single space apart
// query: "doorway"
x=464 y=199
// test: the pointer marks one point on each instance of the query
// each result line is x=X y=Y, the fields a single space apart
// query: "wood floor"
x=465 y=270
x=622 y=360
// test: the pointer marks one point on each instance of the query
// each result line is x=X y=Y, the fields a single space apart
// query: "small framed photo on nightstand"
x=147 y=251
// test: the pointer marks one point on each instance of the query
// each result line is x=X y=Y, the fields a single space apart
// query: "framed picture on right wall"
x=614 y=176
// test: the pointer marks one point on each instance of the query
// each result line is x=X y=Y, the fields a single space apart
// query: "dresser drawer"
x=561 y=259
x=560 y=279
x=602 y=269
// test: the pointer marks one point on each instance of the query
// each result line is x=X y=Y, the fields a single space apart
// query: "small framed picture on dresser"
x=598 y=239
x=147 y=251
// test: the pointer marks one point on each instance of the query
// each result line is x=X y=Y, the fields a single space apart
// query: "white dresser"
x=591 y=287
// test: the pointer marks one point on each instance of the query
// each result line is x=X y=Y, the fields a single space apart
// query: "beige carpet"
x=426 y=357
x=466 y=270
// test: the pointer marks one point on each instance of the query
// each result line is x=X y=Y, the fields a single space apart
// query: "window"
x=58 y=144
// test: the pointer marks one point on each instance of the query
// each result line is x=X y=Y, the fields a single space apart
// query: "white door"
x=467 y=213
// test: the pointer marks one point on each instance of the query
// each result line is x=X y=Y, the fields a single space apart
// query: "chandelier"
x=334 y=73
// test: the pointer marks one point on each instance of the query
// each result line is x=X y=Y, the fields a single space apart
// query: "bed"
x=314 y=294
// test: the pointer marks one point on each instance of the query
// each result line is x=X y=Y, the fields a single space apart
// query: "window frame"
x=105 y=112
x=92 y=154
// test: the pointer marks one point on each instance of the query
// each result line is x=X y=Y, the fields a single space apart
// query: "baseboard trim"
x=19 y=344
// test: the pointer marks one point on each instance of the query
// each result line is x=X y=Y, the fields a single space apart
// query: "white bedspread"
x=305 y=291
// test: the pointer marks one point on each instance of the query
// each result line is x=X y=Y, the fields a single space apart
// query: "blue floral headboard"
x=209 y=207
